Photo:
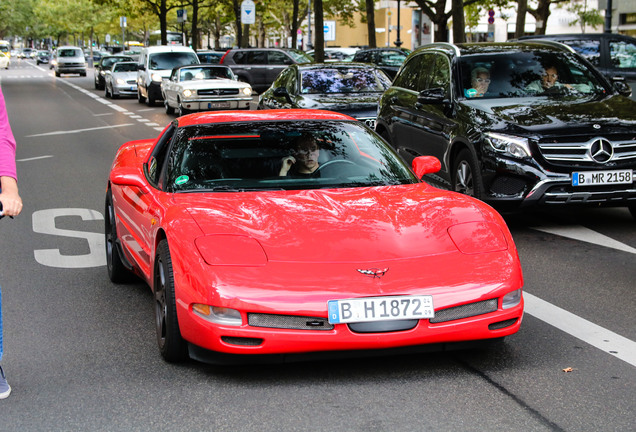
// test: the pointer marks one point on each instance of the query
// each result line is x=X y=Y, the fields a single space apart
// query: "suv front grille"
x=582 y=151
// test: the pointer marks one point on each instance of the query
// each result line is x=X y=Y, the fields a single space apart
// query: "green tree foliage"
x=585 y=16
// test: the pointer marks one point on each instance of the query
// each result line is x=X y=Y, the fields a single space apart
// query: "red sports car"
x=268 y=233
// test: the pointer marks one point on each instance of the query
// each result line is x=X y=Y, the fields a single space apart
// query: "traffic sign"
x=248 y=12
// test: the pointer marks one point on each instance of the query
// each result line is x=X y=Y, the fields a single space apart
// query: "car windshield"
x=125 y=67
x=391 y=58
x=343 y=80
x=170 y=60
x=527 y=74
x=204 y=73
x=107 y=62
x=299 y=56
x=69 y=53
x=249 y=156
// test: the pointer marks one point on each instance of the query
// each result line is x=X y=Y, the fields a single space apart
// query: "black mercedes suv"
x=515 y=124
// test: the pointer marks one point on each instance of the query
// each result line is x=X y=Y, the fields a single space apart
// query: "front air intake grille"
x=288 y=322
x=502 y=324
x=504 y=185
x=242 y=341
x=217 y=92
x=464 y=311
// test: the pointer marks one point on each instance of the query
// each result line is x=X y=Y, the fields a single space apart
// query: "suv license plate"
x=593 y=178
x=380 y=309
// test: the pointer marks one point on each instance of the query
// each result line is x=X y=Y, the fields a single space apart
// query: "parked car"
x=42 y=57
x=204 y=88
x=344 y=87
x=260 y=66
x=5 y=61
x=549 y=130
x=613 y=54
x=121 y=79
x=106 y=63
x=156 y=63
x=210 y=56
x=389 y=59
x=70 y=59
x=247 y=264
x=337 y=54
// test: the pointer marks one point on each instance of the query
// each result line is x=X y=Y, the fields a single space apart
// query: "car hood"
x=125 y=75
x=212 y=83
x=337 y=225
x=543 y=114
x=358 y=105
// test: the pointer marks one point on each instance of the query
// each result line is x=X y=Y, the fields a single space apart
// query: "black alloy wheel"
x=117 y=271
x=466 y=178
x=171 y=345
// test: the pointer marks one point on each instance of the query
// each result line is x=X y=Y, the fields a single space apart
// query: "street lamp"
x=398 y=42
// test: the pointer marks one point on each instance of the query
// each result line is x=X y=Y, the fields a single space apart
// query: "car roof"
x=568 y=36
x=265 y=115
x=494 y=47
x=167 y=48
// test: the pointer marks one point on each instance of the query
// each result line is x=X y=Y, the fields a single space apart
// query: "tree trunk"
x=195 y=29
x=294 y=26
x=522 y=8
x=319 y=34
x=371 y=23
x=459 y=25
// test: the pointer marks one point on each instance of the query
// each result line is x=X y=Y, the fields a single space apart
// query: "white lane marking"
x=586 y=235
x=34 y=158
x=79 y=130
x=100 y=115
x=595 y=335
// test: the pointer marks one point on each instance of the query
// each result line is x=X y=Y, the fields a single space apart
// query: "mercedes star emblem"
x=601 y=150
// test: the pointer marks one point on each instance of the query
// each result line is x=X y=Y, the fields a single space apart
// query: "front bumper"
x=516 y=183
x=70 y=68
x=218 y=103
x=125 y=89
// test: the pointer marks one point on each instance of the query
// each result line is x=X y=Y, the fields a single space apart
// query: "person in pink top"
x=10 y=200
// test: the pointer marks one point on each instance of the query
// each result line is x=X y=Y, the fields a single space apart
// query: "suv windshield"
x=250 y=156
x=170 y=60
x=523 y=74
x=69 y=53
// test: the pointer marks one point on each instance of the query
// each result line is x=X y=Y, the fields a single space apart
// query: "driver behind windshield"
x=303 y=162
x=550 y=80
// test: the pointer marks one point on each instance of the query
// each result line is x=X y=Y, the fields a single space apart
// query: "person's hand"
x=288 y=162
x=9 y=197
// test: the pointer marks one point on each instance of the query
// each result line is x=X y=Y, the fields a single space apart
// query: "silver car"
x=121 y=79
x=204 y=88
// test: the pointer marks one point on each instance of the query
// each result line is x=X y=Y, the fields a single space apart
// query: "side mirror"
x=431 y=96
x=282 y=92
x=621 y=86
x=129 y=176
x=423 y=165
x=141 y=67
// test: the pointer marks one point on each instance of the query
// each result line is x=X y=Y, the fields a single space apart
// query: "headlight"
x=120 y=81
x=511 y=299
x=102 y=72
x=156 y=77
x=188 y=93
x=247 y=91
x=513 y=146
x=218 y=315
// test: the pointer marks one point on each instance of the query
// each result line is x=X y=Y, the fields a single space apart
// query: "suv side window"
x=622 y=54
x=278 y=58
x=411 y=73
x=590 y=49
x=440 y=78
x=257 y=57
x=239 y=57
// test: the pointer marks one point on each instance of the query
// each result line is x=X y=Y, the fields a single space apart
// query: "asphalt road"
x=80 y=352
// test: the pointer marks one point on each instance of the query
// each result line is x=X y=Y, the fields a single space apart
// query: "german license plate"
x=218 y=105
x=133 y=88
x=594 y=178
x=380 y=309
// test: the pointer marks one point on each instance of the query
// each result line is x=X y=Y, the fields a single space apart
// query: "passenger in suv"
x=260 y=66
x=568 y=144
x=155 y=64
x=612 y=54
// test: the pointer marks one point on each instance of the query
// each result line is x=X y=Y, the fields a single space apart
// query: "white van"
x=155 y=64
x=70 y=59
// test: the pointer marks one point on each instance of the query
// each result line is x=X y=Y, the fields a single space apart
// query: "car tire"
x=466 y=177
x=57 y=74
x=182 y=111
x=150 y=102
x=169 y=109
x=106 y=95
x=117 y=271
x=82 y=74
x=171 y=345
x=97 y=85
x=632 y=209
x=140 y=98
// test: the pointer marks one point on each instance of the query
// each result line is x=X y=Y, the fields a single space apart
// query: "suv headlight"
x=511 y=145
x=156 y=77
